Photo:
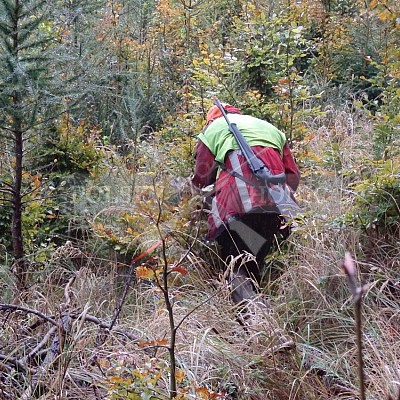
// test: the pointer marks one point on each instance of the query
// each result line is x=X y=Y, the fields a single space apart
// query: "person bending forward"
x=242 y=218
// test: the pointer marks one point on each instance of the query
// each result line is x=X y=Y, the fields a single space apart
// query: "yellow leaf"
x=103 y=363
x=130 y=231
x=99 y=226
x=139 y=374
x=180 y=375
x=309 y=137
x=36 y=180
x=143 y=272
x=115 y=379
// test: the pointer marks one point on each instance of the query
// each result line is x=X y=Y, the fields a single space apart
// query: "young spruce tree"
x=29 y=99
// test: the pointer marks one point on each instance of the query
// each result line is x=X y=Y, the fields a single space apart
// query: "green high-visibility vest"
x=257 y=132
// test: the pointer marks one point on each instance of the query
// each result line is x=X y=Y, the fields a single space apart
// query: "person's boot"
x=242 y=288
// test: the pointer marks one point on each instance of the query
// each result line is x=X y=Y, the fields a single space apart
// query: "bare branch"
x=14 y=362
x=40 y=345
x=9 y=185
x=15 y=307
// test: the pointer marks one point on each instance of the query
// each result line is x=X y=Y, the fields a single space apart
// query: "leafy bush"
x=377 y=201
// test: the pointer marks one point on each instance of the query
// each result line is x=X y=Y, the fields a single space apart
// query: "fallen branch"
x=87 y=317
x=39 y=346
x=103 y=325
x=60 y=328
x=15 y=307
x=17 y=364
x=57 y=345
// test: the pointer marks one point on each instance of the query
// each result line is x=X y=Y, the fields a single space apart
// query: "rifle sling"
x=248 y=181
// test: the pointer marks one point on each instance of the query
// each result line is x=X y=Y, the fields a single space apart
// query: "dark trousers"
x=254 y=234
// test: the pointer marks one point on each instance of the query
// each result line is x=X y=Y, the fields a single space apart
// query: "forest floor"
x=114 y=331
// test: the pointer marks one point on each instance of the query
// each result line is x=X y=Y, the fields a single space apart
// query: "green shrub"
x=377 y=201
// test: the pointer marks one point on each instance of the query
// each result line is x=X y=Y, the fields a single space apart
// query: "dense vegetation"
x=108 y=289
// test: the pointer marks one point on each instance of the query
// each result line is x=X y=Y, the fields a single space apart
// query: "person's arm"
x=206 y=167
x=291 y=170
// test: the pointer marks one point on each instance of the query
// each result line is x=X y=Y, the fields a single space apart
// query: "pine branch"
x=9 y=8
x=5 y=30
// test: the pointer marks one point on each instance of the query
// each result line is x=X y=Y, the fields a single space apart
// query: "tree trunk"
x=16 y=226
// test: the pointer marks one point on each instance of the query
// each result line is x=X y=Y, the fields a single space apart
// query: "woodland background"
x=108 y=289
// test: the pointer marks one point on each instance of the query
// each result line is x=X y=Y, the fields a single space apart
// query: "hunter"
x=242 y=217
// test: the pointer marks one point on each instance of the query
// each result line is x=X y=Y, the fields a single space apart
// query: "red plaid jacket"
x=234 y=197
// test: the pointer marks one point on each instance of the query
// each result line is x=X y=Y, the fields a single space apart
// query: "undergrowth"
x=117 y=343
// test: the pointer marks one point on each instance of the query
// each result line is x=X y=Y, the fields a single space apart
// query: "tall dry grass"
x=220 y=357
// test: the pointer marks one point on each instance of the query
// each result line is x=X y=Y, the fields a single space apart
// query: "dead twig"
x=121 y=302
x=357 y=292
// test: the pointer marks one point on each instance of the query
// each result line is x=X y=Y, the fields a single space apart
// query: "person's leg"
x=254 y=234
x=243 y=282
x=270 y=230
x=245 y=236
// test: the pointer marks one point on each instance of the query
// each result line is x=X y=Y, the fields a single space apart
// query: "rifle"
x=273 y=184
